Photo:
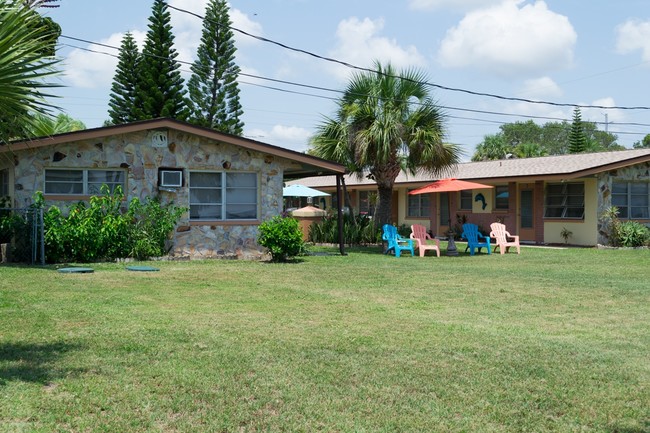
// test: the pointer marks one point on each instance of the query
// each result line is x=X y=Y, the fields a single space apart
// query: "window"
x=565 y=200
x=4 y=183
x=82 y=181
x=466 y=199
x=419 y=205
x=367 y=201
x=501 y=197
x=445 y=218
x=632 y=199
x=223 y=196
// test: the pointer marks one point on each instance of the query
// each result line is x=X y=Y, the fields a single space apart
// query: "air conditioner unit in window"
x=171 y=178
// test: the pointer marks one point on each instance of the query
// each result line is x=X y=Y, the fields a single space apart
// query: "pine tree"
x=213 y=89
x=577 y=137
x=159 y=91
x=121 y=105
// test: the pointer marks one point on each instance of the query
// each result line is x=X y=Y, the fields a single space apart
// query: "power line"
x=325 y=89
x=438 y=86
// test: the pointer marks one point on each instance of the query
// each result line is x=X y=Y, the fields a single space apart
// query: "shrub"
x=624 y=233
x=357 y=230
x=283 y=238
x=633 y=234
x=102 y=230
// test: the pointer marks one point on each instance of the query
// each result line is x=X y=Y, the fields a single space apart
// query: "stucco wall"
x=142 y=157
x=584 y=231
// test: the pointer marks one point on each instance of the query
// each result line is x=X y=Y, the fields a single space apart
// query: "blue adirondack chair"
x=396 y=242
x=473 y=236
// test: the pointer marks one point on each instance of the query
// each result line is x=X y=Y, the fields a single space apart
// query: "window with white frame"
x=565 y=200
x=466 y=199
x=501 y=197
x=632 y=199
x=223 y=196
x=82 y=181
x=419 y=205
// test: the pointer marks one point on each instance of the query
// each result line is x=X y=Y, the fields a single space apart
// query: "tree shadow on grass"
x=643 y=428
x=33 y=362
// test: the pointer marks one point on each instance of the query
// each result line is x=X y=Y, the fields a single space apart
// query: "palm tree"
x=24 y=65
x=386 y=123
x=45 y=126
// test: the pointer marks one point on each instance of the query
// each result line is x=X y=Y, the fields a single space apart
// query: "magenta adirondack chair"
x=420 y=236
x=501 y=236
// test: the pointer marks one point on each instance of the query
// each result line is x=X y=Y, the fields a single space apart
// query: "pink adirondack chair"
x=420 y=236
x=504 y=240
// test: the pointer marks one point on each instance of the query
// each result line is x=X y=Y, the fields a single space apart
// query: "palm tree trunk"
x=384 y=207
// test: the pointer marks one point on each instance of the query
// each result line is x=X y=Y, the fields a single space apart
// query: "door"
x=526 y=215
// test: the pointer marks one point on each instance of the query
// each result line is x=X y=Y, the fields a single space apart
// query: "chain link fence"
x=22 y=235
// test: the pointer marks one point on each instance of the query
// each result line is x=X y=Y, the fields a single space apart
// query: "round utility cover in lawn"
x=142 y=268
x=76 y=270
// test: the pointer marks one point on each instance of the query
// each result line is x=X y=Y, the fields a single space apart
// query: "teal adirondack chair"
x=396 y=242
x=473 y=236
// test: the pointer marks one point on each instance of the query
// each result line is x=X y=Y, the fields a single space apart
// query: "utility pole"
x=606 y=122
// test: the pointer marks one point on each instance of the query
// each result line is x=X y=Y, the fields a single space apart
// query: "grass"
x=548 y=341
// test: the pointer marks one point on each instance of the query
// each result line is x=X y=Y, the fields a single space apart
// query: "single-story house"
x=536 y=198
x=229 y=184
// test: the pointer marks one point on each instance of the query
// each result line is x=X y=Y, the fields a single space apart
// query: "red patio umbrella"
x=449 y=185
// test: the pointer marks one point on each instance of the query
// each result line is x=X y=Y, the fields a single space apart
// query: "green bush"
x=357 y=230
x=102 y=230
x=283 y=238
x=633 y=234
x=624 y=233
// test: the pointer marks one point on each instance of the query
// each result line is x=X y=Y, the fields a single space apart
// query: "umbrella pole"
x=452 y=251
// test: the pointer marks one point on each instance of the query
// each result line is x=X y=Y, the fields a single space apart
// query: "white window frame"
x=224 y=190
x=86 y=185
x=564 y=201
x=625 y=211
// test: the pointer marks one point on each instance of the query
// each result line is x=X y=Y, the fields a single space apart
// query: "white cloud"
x=359 y=44
x=93 y=70
x=463 y=5
x=634 y=35
x=288 y=137
x=188 y=28
x=509 y=40
x=89 y=70
x=598 y=114
x=543 y=88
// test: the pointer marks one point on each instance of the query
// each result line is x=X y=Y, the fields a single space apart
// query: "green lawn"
x=548 y=341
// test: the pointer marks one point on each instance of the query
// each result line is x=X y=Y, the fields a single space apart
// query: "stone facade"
x=639 y=172
x=142 y=154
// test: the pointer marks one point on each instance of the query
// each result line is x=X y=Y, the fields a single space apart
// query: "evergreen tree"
x=577 y=137
x=121 y=105
x=159 y=90
x=213 y=89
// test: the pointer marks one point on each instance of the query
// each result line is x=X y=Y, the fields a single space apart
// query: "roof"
x=305 y=165
x=556 y=167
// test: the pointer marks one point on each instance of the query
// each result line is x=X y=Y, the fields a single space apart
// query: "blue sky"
x=561 y=51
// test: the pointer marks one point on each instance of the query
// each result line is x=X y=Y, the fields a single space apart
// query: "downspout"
x=339 y=201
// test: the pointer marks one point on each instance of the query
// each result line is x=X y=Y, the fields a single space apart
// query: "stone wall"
x=142 y=154
x=639 y=172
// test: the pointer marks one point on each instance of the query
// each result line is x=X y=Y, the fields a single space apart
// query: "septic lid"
x=142 y=268
x=76 y=270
